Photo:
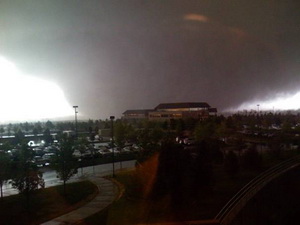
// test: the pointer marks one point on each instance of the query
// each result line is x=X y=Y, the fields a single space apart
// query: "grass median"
x=45 y=204
x=136 y=208
x=178 y=202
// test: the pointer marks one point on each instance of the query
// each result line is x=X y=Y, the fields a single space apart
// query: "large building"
x=167 y=111
x=136 y=114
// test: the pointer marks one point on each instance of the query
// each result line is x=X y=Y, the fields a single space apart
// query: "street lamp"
x=75 y=108
x=112 y=142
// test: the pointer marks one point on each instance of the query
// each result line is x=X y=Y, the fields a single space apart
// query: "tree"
x=222 y=131
x=90 y=129
x=5 y=164
x=80 y=145
x=27 y=177
x=26 y=126
x=276 y=148
x=35 y=132
x=286 y=127
x=38 y=126
x=16 y=128
x=2 y=131
x=204 y=130
x=64 y=162
x=231 y=164
x=120 y=133
x=49 y=125
x=251 y=159
x=180 y=127
x=131 y=133
x=9 y=127
x=169 y=173
x=47 y=136
x=202 y=171
x=19 y=136
x=92 y=136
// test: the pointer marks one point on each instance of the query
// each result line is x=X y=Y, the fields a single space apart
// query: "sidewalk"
x=108 y=192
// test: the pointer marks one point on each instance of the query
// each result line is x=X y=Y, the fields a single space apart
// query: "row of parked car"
x=43 y=154
x=105 y=150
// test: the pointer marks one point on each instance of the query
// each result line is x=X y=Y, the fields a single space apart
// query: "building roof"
x=182 y=105
x=138 y=111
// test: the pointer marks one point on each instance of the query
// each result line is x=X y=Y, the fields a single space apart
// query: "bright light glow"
x=196 y=17
x=283 y=102
x=25 y=97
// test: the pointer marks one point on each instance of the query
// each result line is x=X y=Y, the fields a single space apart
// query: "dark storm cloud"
x=109 y=56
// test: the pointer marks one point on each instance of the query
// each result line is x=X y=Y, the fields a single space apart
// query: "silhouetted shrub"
x=231 y=164
x=251 y=159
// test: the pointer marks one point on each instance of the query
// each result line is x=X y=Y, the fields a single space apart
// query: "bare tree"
x=64 y=162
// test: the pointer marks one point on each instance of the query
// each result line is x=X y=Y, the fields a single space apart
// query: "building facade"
x=168 y=111
x=136 y=114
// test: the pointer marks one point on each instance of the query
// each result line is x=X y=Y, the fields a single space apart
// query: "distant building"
x=167 y=111
x=197 y=110
x=136 y=114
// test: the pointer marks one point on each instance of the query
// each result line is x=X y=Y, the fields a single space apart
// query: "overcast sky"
x=110 y=56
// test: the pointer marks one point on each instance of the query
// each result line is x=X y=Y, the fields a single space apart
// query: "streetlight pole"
x=259 y=127
x=257 y=109
x=112 y=142
x=75 y=108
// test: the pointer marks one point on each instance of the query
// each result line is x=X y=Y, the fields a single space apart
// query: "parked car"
x=48 y=156
x=127 y=149
x=87 y=154
x=115 y=150
x=105 y=152
x=39 y=161
x=189 y=141
x=77 y=153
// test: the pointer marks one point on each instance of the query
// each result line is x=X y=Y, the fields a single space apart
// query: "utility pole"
x=75 y=108
x=112 y=142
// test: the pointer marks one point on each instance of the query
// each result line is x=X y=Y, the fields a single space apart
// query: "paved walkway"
x=108 y=193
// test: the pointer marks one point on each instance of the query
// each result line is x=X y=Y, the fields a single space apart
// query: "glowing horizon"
x=281 y=102
x=27 y=98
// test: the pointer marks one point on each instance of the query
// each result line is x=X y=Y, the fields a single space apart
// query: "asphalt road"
x=50 y=176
